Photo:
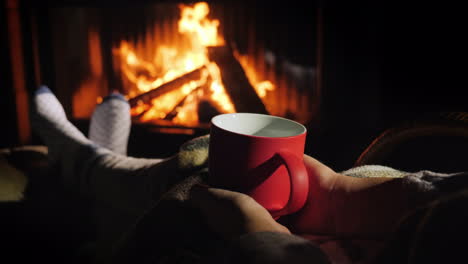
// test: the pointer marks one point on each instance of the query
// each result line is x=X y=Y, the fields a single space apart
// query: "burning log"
x=235 y=81
x=173 y=113
x=206 y=111
x=167 y=87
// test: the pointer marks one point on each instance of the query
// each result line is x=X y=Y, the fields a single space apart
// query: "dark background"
x=384 y=64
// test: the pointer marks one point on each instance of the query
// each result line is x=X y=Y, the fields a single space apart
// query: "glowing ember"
x=171 y=61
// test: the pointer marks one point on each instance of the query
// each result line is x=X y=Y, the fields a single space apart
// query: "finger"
x=212 y=199
x=319 y=173
x=316 y=166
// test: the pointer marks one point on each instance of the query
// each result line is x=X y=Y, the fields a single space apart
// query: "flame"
x=171 y=61
x=261 y=87
x=193 y=21
x=218 y=92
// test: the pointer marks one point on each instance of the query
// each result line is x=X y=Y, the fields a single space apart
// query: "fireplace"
x=178 y=63
x=365 y=67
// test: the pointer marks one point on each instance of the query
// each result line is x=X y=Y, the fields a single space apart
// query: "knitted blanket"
x=12 y=182
x=15 y=164
x=174 y=228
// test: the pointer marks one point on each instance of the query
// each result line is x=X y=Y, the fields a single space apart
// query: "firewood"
x=235 y=81
x=173 y=113
x=167 y=87
x=204 y=87
x=206 y=111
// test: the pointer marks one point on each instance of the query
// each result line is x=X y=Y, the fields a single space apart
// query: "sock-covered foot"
x=50 y=122
x=110 y=124
x=64 y=141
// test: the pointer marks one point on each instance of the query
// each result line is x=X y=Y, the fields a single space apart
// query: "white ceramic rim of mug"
x=217 y=121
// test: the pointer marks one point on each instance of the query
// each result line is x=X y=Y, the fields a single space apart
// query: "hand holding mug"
x=261 y=156
x=232 y=214
x=345 y=206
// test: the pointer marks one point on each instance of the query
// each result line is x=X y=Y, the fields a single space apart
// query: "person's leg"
x=123 y=188
x=87 y=167
x=63 y=140
x=110 y=123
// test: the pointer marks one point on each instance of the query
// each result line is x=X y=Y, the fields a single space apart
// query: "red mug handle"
x=299 y=182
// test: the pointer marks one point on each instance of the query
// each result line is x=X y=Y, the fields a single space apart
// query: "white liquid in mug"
x=258 y=125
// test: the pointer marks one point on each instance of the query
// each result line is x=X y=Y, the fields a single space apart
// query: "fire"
x=264 y=87
x=218 y=93
x=193 y=21
x=169 y=62
x=261 y=87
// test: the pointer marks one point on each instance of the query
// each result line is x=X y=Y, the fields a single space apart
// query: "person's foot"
x=110 y=124
x=49 y=120
x=67 y=146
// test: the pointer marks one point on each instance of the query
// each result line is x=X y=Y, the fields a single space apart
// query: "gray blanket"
x=176 y=231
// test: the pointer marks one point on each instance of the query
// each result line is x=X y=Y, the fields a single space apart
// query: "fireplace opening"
x=179 y=64
x=190 y=75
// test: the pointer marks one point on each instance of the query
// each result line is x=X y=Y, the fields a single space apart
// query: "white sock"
x=110 y=124
x=63 y=139
x=50 y=122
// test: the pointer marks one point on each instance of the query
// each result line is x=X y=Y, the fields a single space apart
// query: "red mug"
x=261 y=156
